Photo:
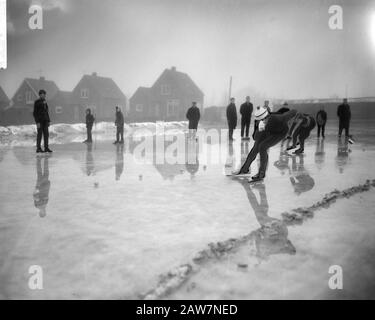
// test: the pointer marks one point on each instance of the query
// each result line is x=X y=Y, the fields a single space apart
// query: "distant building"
x=4 y=102
x=168 y=99
x=64 y=109
x=20 y=110
x=100 y=94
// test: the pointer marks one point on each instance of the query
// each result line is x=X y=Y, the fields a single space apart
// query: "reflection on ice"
x=111 y=212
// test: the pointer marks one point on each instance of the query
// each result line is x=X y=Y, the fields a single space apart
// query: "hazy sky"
x=281 y=48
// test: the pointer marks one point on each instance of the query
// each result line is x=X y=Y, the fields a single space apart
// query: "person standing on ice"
x=272 y=129
x=42 y=120
x=321 y=119
x=300 y=130
x=344 y=114
x=119 y=123
x=193 y=115
x=246 y=110
x=231 y=118
x=89 y=124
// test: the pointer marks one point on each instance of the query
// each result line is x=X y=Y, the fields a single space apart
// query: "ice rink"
x=104 y=223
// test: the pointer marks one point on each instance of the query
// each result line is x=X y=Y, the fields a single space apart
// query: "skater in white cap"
x=272 y=129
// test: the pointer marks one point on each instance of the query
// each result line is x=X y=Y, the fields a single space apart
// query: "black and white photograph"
x=211 y=150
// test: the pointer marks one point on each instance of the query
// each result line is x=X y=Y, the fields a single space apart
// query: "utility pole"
x=230 y=88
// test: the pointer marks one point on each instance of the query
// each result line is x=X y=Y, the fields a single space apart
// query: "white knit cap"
x=261 y=113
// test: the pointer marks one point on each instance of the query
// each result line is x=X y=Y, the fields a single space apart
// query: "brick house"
x=20 y=110
x=100 y=94
x=168 y=99
x=4 y=103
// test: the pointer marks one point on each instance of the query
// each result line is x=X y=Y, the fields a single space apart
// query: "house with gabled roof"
x=4 y=102
x=20 y=109
x=101 y=95
x=167 y=99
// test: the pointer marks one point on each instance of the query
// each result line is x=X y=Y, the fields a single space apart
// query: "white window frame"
x=84 y=93
x=58 y=110
x=165 y=89
x=29 y=97
x=139 y=107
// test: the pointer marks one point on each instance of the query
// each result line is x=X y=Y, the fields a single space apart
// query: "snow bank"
x=63 y=130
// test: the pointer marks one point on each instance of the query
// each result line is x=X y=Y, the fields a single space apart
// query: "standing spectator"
x=246 y=110
x=344 y=114
x=231 y=118
x=42 y=121
x=193 y=115
x=119 y=123
x=321 y=119
x=89 y=124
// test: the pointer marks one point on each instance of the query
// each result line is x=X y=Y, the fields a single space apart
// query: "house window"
x=58 y=109
x=29 y=97
x=165 y=89
x=19 y=97
x=139 y=108
x=84 y=93
x=173 y=107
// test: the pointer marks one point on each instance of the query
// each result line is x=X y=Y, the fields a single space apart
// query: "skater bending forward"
x=272 y=129
x=300 y=130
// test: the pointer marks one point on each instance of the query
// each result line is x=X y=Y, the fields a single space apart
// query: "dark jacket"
x=343 y=112
x=119 y=119
x=232 y=115
x=89 y=120
x=246 y=110
x=40 y=112
x=193 y=115
x=321 y=117
x=278 y=123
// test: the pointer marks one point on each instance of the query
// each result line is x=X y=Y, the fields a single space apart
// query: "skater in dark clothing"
x=193 y=115
x=300 y=130
x=42 y=121
x=246 y=110
x=344 y=114
x=272 y=129
x=321 y=119
x=232 y=118
x=41 y=192
x=89 y=124
x=119 y=123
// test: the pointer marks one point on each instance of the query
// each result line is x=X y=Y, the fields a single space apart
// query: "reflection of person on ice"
x=300 y=130
x=41 y=192
x=272 y=129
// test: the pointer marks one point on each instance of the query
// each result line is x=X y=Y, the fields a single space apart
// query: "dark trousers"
x=261 y=145
x=42 y=131
x=89 y=133
x=302 y=134
x=120 y=133
x=245 y=126
x=321 y=128
x=344 y=125
x=231 y=129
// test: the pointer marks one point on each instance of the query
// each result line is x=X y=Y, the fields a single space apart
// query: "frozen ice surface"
x=102 y=223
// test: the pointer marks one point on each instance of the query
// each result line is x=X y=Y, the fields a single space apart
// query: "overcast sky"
x=282 y=48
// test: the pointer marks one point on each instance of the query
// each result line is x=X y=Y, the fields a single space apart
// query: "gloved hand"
x=261 y=126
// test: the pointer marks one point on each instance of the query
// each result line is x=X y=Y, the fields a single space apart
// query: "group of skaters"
x=270 y=128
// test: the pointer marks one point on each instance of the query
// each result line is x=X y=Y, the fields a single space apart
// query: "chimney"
x=94 y=74
x=173 y=68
